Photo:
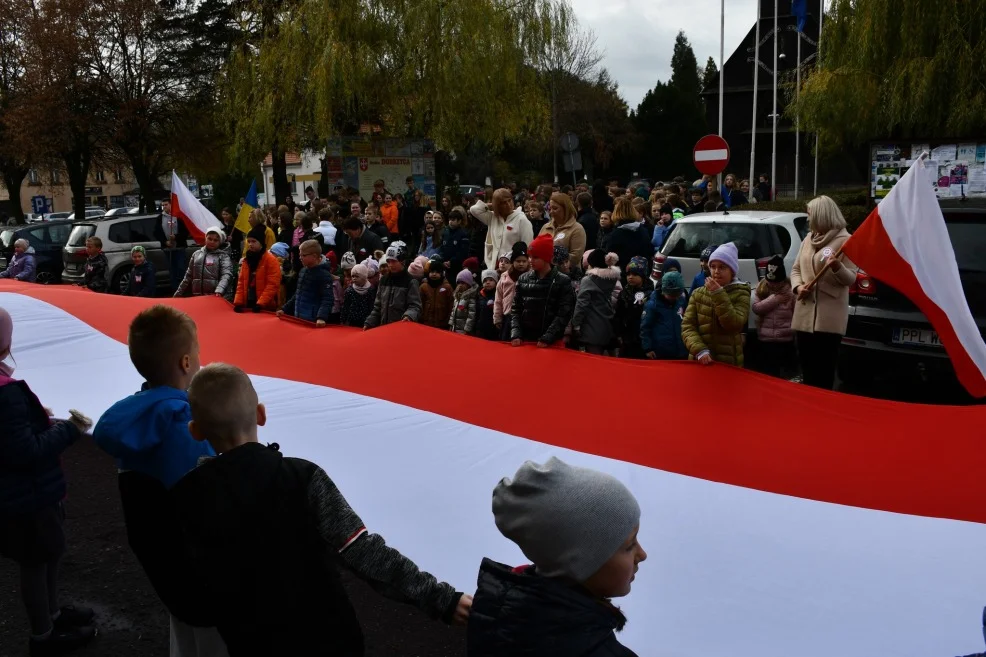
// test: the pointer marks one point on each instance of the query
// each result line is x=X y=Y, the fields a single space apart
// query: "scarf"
x=361 y=289
x=253 y=258
x=435 y=284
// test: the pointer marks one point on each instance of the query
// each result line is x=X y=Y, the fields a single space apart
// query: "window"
x=35 y=237
x=968 y=235
x=7 y=238
x=32 y=177
x=118 y=175
x=688 y=240
x=56 y=178
x=801 y=223
x=134 y=231
x=101 y=176
x=80 y=233
x=58 y=234
x=784 y=237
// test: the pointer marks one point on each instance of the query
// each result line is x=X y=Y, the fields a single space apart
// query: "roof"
x=289 y=159
x=741 y=215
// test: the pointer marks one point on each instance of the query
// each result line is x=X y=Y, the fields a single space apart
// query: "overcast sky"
x=637 y=36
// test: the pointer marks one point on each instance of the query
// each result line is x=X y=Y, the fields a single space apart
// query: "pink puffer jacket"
x=775 y=312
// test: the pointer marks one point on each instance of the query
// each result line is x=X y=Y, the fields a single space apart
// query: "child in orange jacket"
x=260 y=276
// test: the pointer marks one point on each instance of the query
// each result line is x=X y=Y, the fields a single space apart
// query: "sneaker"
x=60 y=642
x=73 y=616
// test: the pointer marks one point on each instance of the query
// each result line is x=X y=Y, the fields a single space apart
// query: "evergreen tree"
x=711 y=70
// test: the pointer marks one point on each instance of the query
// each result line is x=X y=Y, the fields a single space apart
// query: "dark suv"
x=888 y=335
x=46 y=238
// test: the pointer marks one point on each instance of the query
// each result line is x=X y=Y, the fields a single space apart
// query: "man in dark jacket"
x=358 y=239
x=544 y=300
x=588 y=219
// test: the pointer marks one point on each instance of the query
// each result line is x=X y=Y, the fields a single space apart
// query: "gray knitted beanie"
x=567 y=520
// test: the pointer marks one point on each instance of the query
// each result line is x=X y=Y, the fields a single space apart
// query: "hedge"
x=855 y=206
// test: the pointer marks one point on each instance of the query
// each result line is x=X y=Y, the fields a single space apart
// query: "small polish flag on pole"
x=196 y=217
x=905 y=243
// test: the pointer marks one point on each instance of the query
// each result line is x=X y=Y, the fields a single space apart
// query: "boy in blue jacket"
x=143 y=278
x=455 y=245
x=148 y=435
x=660 y=325
x=313 y=295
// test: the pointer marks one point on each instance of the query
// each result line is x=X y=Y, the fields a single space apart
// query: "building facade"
x=105 y=189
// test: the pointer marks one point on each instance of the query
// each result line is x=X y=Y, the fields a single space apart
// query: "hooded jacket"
x=455 y=246
x=21 y=267
x=774 y=312
x=266 y=279
x=209 y=272
x=314 y=295
x=714 y=322
x=503 y=303
x=593 y=318
x=660 y=327
x=95 y=273
x=517 y=613
x=463 y=316
x=629 y=308
x=627 y=240
x=436 y=304
x=485 y=302
x=542 y=307
x=397 y=297
x=390 y=214
x=143 y=281
x=31 y=475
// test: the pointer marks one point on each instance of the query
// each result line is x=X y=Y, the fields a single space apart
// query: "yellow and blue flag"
x=249 y=205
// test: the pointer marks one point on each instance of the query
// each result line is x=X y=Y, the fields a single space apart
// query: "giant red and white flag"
x=904 y=243
x=196 y=217
x=779 y=520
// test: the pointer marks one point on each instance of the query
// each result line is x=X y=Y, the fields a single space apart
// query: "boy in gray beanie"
x=579 y=528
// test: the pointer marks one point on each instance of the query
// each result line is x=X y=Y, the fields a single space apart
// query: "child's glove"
x=238 y=309
x=256 y=308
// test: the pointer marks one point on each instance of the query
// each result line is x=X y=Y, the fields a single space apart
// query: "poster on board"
x=955 y=170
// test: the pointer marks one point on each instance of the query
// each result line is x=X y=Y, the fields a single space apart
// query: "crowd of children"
x=243 y=545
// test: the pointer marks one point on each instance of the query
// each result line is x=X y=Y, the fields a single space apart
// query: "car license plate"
x=918 y=337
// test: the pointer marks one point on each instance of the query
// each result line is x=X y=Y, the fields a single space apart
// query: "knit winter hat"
x=727 y=255
x=360 y=274
x=372 y=266
x=348 y=260
x=775 y=269
x=333 y=260
x=138 y=249
x=542 y=247
x=465 y=276
x=489 y=273
x=671 y=264
x=707 y=252
x=518 y=250
x=672 y=283
x=396 y=251
x=417 y=267
x=560 y=255
x=567 y=520
x=280 y=249
x=638 y=266
x=506 y=258
x=585 y=258
x=596 y=259
x=217 y=231
x=259 y=233
x=470 y=263
x=435 y=264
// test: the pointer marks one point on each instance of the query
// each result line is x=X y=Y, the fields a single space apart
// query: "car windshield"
x=8 y=237
x=968 y=241
x=688 y=240
x=80 y=233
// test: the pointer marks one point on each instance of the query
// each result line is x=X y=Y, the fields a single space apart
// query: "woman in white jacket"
x=507 y=225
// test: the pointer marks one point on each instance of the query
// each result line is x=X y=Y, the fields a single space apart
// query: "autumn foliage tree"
x=14 y=156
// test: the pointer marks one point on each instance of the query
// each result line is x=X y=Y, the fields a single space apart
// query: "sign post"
x=711 y=155
x=569 y=143
x=38 y=204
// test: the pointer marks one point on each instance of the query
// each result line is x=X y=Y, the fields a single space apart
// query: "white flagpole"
x=756 y=82
x=773 y=154
x=797 y=126
x=818 y=63
x=722 y=72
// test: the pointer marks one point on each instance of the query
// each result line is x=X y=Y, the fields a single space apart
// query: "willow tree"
x=455 y=72
x=897 y=70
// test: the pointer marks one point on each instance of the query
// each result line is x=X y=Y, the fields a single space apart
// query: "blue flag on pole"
x=799 y=8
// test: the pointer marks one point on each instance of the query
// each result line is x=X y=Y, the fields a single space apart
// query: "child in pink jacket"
x=773 y=304
x=505 y=287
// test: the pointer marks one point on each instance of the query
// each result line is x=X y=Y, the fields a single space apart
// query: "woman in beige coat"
x=564 y=228
x=821 y=313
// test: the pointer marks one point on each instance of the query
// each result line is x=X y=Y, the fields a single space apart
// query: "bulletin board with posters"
x=360 y=161
x=955 y=169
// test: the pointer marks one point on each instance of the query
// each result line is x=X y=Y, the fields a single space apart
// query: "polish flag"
x=904 y=243
x=778 y=519
x=196 y=217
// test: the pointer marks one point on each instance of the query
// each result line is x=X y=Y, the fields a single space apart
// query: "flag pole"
x=773 y=153
x=818 y=64
x=797 y=126
x=722 y=72
x=756 y=86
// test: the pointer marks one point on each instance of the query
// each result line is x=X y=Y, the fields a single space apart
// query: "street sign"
x=711 y=155
x=38 y=204
x=569 y=142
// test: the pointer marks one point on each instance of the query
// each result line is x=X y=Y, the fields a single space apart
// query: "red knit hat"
x=542 y=247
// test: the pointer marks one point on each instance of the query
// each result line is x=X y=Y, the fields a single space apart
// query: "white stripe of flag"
x=708 y=156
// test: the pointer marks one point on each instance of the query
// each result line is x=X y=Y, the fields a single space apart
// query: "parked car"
x=116 y=212
x=471 y=190
x=757 y=235
x=91 y=213
x=119 y=236
x=56 y=216
x=47 y=238
x=889 y=335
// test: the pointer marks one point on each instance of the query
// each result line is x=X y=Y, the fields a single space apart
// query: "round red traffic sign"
x=711 y=155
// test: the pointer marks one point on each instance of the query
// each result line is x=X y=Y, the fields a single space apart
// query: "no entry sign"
x=711 y=155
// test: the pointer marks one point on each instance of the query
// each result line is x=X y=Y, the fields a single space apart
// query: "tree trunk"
x=13 y=176
x=77 y=167
x=280 y=173
x=323 y=182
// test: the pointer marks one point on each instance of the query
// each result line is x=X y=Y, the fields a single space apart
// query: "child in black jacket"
x=289 y=600
x=96 y=266
x=630 y=306
x=143 y=277
x=485 y=305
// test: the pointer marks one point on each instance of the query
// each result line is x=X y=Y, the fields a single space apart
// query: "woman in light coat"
x=821 y=314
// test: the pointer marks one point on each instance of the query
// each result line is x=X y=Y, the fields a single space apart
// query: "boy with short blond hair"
x=96 y=266
x=148 y=435
x=265 y=559
x=314 y=293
